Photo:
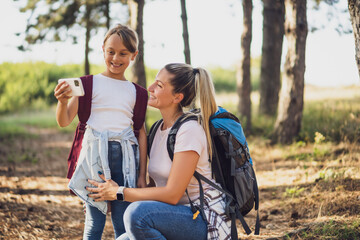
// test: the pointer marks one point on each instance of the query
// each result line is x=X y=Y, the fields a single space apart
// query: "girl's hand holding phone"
x=62 y=92
x=67 y=88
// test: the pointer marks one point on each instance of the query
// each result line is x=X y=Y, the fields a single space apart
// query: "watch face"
x=120 y=197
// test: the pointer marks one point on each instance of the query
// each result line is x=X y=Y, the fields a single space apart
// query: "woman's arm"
x=66 y=110
x=182 y=169
x=141 y=183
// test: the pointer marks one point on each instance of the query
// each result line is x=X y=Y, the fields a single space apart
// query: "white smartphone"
x=75 y=85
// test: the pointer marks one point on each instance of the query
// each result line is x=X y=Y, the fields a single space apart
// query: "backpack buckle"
x=82 y=127
x=247 y=153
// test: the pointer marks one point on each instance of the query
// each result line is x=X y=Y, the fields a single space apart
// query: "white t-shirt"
x=190 y=137
x=112 y=104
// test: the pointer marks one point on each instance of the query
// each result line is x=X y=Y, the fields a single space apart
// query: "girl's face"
x=117 y=57
x=161 y=92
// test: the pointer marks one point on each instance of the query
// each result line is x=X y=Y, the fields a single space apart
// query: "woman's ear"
x=178 y=97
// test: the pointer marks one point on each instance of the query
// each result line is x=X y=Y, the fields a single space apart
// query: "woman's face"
x=161 y=91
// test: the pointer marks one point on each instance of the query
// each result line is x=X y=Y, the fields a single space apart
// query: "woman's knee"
x=134 y=212
x=137 y=213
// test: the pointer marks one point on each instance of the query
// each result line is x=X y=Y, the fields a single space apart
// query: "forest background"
x=309 y=187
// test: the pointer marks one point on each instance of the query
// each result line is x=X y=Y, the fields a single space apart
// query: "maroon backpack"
x=84 y=111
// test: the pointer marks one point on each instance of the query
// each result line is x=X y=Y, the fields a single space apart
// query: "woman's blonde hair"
x=195 y=83
x=128 y=36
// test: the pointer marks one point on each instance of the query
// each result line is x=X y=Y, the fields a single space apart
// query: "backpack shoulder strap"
x=139 y=108
x=151 y=135
x=84 y=108
x=175 y=128
x=172 y=134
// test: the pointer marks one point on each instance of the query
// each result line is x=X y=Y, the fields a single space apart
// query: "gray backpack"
x=231 y=166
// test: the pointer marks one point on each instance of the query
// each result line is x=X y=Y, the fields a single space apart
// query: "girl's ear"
x=103 y=48
x=134 y=55
x=178 y=97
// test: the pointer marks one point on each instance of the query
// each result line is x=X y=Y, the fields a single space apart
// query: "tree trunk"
x=87 y=37
x=354 y=10
x=185 y=32
x=136 y=8
x=288 y=122
x=107 y=13
x=273 y=33
x=243 y=73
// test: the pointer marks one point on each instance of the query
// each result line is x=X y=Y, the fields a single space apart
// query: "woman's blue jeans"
x=158 y=220
x=94 y=219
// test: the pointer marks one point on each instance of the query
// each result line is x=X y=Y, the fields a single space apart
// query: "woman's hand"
x=103 y=191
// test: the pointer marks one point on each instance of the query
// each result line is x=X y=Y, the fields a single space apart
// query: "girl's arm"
x=182 y=170
x=141 y=183
x=66 y=110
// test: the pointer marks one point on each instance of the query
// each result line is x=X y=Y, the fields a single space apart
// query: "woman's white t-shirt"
x=190 y=137
x=112 y=104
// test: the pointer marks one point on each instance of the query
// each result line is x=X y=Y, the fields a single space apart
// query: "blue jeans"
x=158 y=220
x=94 y=218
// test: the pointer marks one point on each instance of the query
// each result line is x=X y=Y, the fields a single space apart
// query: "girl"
x=163 y=212
x=109 y=144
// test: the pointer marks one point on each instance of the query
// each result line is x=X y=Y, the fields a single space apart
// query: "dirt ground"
x=35 y=202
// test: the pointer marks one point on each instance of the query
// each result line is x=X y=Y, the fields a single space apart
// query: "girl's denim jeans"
x=95 y=219
x=158 y=220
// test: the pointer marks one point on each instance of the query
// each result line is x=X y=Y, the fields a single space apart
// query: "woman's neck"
x=170 y=117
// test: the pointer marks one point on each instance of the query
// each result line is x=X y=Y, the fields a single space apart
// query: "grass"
x=293 y=192
x=335 y=120
x=332 y=230
x=18 y=124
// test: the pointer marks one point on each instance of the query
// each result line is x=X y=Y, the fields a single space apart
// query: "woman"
x=163 y=212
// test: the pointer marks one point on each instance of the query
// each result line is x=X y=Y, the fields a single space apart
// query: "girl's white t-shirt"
x=190 y=137
x=112 y=104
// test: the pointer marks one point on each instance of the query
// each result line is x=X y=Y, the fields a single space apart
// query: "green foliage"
x=330 y=174
x=293 y=192
x=152 y=115
x=262 y=125
x=320 y=150
x=333 y=120
x=336 y=120
x=8 y=129
x=224 y=79
x=31 y=85
x=24 y=84
x=19 y=124
x=150 y=75
x=333 y=230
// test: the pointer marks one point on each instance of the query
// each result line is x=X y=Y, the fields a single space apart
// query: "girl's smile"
x=117 y=57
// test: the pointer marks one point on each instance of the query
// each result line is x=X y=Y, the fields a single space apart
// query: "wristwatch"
x=120 y=193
